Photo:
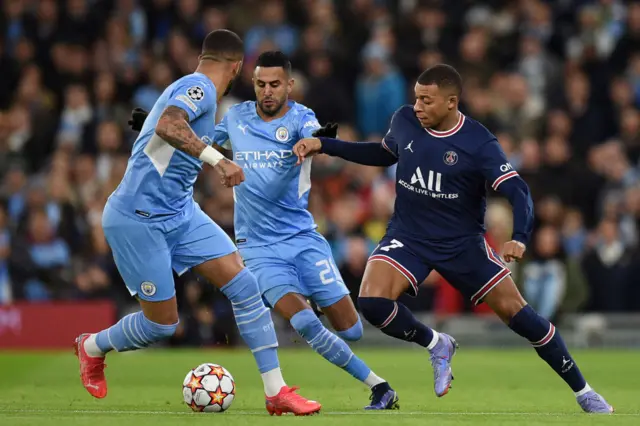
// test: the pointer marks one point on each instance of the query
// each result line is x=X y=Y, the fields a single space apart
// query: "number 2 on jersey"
x=394 y=244
x=328 y=269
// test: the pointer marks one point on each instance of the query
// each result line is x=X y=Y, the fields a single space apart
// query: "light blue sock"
x=133 y=332
x=253 y=319
x=354 y=333
x=327 y=344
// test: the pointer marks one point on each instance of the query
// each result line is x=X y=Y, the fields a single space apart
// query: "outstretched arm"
x=366 y=153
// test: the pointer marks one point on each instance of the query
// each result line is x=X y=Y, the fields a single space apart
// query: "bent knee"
x=505 y=300
x=509 y=308
x=506 y=307
x=376 y=288
x=376 y=310
x=354 y=333
x=166 y=319
x=383 y=281
x=158 y=331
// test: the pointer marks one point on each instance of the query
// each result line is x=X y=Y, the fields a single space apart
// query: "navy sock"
x=549 y=346
x=395 y=320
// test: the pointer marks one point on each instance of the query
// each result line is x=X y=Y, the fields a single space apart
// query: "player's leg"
x=479 y=273
x=392 y=270
x=320 y=277
x=210 y=252
x=293 y=307
x=505 y=300
x=256 y=328
x=142 y=258
x=344 y=319
x=279 y=269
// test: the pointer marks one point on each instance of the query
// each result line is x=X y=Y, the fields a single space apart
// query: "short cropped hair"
x=222 y=45
x=274 y=58
x=442 y=75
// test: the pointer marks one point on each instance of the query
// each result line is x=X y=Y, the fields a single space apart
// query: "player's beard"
x=272 y=110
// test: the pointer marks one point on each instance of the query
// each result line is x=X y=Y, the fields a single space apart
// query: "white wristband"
x=211 y=155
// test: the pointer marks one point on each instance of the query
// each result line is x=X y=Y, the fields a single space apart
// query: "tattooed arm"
x=138 y=117
x=173 y=127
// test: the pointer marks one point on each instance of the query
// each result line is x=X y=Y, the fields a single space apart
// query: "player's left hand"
x=329 y=130
x=513 y=250
x=138 y=116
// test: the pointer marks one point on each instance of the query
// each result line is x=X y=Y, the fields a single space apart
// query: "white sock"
x=91 y=347
x=273 y=382
x=434 y=341
x=373 y=379
x=586 y=389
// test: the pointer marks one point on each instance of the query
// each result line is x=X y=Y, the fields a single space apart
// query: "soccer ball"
x=209 y=387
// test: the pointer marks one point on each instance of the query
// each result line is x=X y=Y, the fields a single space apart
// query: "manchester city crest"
x=148 y=288
x=282 y=134
x=450 y=158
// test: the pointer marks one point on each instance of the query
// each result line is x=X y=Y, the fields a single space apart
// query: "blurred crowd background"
x=558 y=82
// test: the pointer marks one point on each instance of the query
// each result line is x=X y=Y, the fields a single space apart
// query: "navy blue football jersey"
x=441 y=177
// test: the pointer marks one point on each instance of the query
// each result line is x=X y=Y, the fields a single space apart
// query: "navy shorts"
x=469 y=264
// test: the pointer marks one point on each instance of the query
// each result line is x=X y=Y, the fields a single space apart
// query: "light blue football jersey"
x=271 y=204
x=159 y=179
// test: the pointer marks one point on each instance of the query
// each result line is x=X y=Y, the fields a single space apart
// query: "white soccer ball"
x=209 y=388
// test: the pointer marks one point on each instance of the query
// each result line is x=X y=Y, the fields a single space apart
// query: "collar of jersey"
x=450 y=132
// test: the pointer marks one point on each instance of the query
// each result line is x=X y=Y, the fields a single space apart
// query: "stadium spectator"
x=545 y=276
x=380 y=91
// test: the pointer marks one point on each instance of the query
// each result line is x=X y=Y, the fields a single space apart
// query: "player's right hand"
x=513 y=251
x=230 y=173
x=306 y=147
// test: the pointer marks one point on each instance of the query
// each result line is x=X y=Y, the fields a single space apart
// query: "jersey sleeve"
x=221 y=134
x=308 y=124
x=499 y=172
x=194 y=96
x=494 y=164
x=389 y=141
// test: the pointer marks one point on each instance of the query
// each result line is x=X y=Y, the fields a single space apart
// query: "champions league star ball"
x=209 y=388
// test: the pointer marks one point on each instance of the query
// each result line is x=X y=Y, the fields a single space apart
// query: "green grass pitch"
x=491 y=387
